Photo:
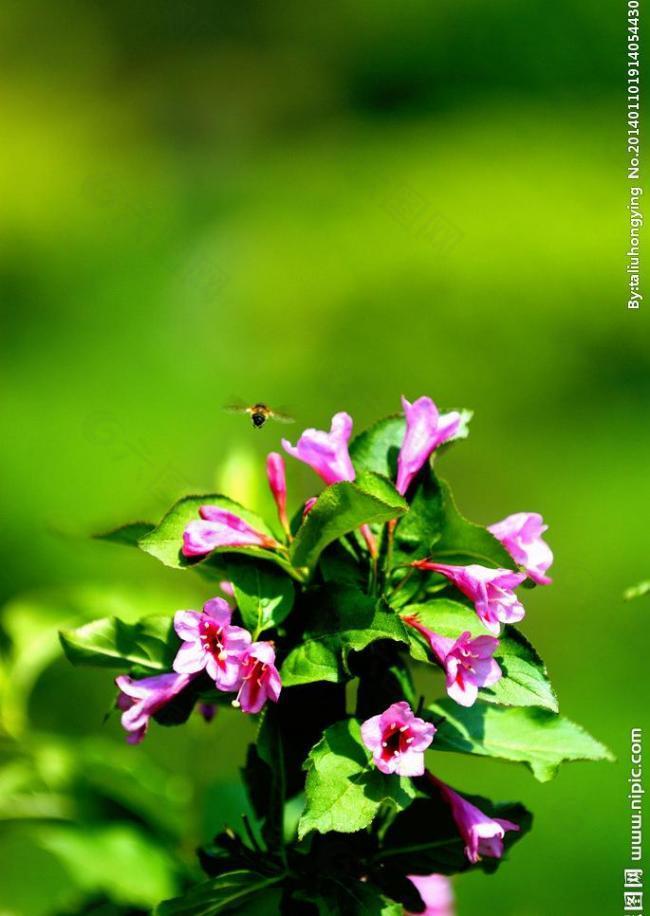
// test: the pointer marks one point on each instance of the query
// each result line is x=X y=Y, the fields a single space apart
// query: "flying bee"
x=259 y=414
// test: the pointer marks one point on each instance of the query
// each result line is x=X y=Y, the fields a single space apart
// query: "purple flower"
x=425 y=431
x=467 y=662
x=398 y=739
x=211 y=642
x=483 y=835
x=491 y=590
x=260 y=680
x=275 y=471
x=521 y=535
x=436 y=893
x=326 y=453
x=141 y=699
x=220 y=528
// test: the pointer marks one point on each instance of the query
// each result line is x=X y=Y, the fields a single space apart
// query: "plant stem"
x=250 y=834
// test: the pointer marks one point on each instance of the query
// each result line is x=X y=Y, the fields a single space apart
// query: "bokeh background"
x=321 y=206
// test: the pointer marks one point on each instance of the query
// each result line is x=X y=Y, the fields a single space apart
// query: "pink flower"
x=436 y=893
x=227 y=588
x=425 y=431
x=326 y=453
x=260 y=680
x=398 y=739
x=275 y=471
x=221 y=528
x=521 y=535
x=211 y=642
x=491 y=590
x=309 y=505
x=467 y=662
x=141 y=699
x=483 y=835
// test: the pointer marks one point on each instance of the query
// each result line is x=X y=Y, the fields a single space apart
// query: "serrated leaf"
x=535 y=737
x=340 y=619
x=344 y=790
x=264 y=595
x=434 y=527
x=525 y=681
x=150 y=643
x=227 y=892
x=341 y=508
x=424 y=839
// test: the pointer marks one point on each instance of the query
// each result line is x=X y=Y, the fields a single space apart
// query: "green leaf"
x=340 y=619
x=424 y=839
x=535 y=737
x=339 y=564
x=341 y=508
x=344 y=790
x=113 y=859
x=110 y=643
x=129 y=534
x=434 y=527
x=525 y=681
x=376 y=449
x=264 y=595
x=231 y=891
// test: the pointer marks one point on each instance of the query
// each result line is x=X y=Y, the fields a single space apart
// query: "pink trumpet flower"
x=437 y=894
x=326 y=453
x=467 y=661
x=425 y=431
x=221 y=528
x=398 y=739
x=260 y=680
x=210 y=642
x=491 y=590
x=275 y=471
x=141 y=699
x=483 y=835
x=521 y=535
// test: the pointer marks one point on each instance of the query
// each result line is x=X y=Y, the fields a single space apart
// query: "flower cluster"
x=396 y=737
x=347 y=589
x=212 y=644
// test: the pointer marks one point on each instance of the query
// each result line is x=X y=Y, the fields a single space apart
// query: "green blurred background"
x=321 y=206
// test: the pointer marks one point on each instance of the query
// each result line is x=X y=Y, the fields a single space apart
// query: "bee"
x=259 y=414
